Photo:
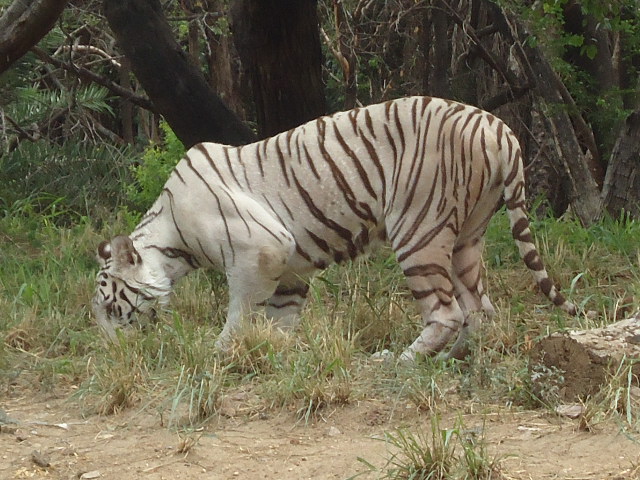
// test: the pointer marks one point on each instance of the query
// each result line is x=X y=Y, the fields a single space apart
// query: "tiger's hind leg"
x=286 y=303
x=467 y=281
x=428 y=273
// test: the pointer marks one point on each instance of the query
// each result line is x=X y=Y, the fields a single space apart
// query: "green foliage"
x=45 y=275
x=62 y=182
x=605 y=108
x=157 y=163
x=52 y=157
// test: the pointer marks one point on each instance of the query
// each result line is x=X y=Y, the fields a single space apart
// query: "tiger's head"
x=125 y=286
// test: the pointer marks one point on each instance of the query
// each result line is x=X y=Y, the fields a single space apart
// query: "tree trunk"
x=279 y=45
x=222 y=60
x=23 y=24
x=347 y=55
x=621 y=192
x=175 y=85
x=436 y=26
x=580 y=167
x=580 y=362
x=126 y=108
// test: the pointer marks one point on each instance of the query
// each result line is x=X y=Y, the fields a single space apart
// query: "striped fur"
x=425 y=174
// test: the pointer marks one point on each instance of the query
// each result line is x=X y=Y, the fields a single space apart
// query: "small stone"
x=9 y=429
x=570 y=411
x=90 y=475
x=382 y=356
x=40 y=459
x=333 y=431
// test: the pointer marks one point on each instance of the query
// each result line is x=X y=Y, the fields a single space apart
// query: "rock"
x=40 y=459
x=570 y=411
x=91 y=475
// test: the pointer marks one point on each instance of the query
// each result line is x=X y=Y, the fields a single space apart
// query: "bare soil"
x=49 y=437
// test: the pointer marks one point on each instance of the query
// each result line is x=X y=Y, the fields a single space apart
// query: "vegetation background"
x=99 y=101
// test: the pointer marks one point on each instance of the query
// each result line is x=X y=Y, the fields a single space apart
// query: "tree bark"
x=175 y=85
x=347 y=55
x=279 y=45
x=440 y=77
x=23 y=24
x=581 y=169
x=621 y=192
x=222 y=60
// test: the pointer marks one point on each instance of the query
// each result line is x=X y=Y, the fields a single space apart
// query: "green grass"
x=430 y=452
x=48 y=335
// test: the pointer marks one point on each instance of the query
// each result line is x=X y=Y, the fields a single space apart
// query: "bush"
x=151 y=174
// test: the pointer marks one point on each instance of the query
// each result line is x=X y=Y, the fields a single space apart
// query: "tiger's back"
x=424 y=173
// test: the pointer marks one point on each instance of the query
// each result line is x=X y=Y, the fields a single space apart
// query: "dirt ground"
x=50 y=438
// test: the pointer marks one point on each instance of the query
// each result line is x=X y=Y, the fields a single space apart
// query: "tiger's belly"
x=316 y=249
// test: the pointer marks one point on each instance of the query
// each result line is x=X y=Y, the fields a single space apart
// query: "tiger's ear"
x=104 y=252
x=122 y=250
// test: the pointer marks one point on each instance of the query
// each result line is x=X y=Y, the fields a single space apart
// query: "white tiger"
x=426 y=174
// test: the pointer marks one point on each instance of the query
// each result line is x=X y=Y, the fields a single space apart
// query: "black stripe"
x=204 y=253
x=214 y=167
x=356 y=161
x=361 y=209
x=173 y=217
x=281 y=159
x=220 y=211
x=310 y=161
x=424 y=241
x=322 y=218
x=225 y=150
x=171 y=252
x=264 y=227
x=426 y=270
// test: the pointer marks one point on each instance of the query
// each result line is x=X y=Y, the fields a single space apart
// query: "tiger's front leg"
x=252 y=280
x=259 y=260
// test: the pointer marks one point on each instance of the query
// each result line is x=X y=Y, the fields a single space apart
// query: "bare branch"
x=91 y=50
x=508 y=75
x=93 y=77
x=22 y=133
x=505 y=97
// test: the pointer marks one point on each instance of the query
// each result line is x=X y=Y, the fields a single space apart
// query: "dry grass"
x=46 y=279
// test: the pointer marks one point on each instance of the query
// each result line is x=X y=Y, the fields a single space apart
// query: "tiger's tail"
x=514 y=197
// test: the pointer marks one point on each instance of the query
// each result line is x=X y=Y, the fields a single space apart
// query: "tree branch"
x=93 y=77
x=90 y=49
x=507 y=29
x=517 y=88
x=176 y=86
x=23 y=24
x=504 y=97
